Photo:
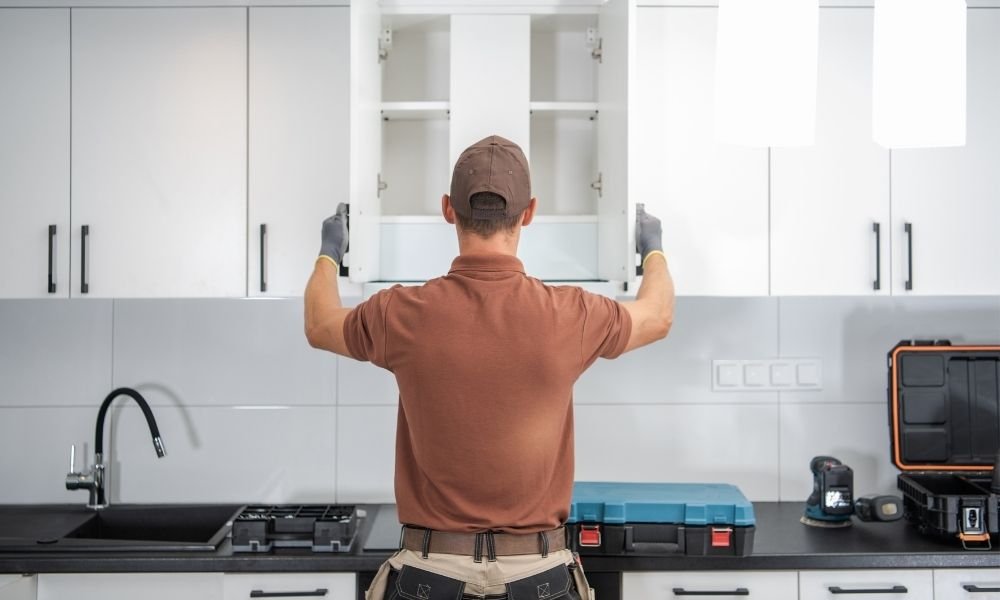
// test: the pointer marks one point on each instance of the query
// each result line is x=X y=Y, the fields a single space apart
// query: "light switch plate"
x=765 y=375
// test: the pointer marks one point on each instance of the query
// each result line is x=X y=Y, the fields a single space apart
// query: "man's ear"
x=529 y=213
x=447 y=210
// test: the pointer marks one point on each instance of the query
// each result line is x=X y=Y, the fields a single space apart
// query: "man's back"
x=485 y=359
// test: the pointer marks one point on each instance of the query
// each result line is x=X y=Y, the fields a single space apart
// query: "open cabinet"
x=429 y=81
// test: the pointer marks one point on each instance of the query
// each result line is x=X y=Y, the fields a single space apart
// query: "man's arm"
x=652 y=311
x=324 y=319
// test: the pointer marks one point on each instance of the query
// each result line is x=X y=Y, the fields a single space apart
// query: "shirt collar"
x=487 y=262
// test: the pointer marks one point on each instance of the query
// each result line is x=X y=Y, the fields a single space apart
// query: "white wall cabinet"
x=830 y=201
x=129 y=586
x=421 y=100
x=338 y=586
x=712 y=198
x=18 y=587
x=949 y=198
x=883 y=584
x=966 y=584
x=299 y=112
x=34 y=152
x=159 y=152
x=777 y=585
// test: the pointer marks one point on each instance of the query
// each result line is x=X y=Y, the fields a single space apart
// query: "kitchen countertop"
x=781 y=542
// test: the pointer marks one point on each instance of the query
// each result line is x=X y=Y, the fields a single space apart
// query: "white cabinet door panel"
x=159 y=151
x=712 y=198
x=888 y=584
x=951 y=196
x=778 y=585
x=826 y=198
x=299 y=139
x=18 y=587
x=966 y=584
x=129 y=586
x=34 y=152
x=338 y=586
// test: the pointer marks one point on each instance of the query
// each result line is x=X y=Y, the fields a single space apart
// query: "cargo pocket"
x=555 y=584
x=411 y=583
x=580 y=579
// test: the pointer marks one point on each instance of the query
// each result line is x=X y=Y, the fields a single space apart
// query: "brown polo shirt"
x=485 y=359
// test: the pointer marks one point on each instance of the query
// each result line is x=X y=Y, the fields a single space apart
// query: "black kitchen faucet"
x=93 y=480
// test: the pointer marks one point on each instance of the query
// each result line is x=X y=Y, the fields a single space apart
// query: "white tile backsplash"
x=250 y=413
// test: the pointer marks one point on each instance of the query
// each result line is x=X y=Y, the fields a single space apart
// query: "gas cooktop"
x=320 y=528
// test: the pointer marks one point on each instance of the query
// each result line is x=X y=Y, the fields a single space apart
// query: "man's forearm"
x=324 y=318
x=657 y=287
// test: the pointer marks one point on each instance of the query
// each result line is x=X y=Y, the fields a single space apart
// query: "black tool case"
x=944 y=425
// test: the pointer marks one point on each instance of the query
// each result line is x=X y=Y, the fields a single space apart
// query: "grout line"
x=770 y=237
x=246 y=162
x=69 y=246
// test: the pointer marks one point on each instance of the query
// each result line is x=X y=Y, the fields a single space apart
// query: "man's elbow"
x=314 y=335
x=663 y=326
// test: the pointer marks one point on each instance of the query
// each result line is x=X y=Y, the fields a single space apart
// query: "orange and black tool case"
x=944 y=425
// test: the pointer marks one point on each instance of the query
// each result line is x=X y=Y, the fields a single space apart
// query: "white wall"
x=250 y=413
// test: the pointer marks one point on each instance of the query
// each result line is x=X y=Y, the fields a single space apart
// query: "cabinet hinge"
x=384 y=44
x=381 y=185
x=594 y=42
x=598 y=185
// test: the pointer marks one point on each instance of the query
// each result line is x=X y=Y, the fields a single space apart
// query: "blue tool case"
x=656 y=519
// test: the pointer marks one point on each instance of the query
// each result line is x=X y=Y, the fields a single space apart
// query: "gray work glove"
x=648 y=232
x=335 y=235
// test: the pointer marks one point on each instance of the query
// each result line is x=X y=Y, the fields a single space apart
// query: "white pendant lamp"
x=765 y=77
x=919 y=78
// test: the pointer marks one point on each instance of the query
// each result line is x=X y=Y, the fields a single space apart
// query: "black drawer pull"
x=263 y=594
x=52 y=258
x=84 y=284
x=973 y=588
x=908 y=229
x=263 y=257
x=896 y=589
x=736 y=592
x=877 y=228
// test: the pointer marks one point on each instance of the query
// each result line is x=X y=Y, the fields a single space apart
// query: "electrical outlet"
x=766 y=375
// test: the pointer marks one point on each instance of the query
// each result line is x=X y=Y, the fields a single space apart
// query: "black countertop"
x=781 y=542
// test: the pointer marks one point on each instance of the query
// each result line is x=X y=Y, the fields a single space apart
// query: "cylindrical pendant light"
x=919 y=78
x=765 y=79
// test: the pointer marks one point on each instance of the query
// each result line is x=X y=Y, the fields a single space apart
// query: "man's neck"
x=501 y=243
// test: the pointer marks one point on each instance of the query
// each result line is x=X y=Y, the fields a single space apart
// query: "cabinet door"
x=366 y=141
x=129 y=586
x=828 y=200
x=18 y=587
x=966 y=584
x=616 y=203
x=34 y=153
x=778 y=585
x=950 y=197
x=712 y=198
x=331 y=586
x=299 y=139
x=885 y=584
x=159 y=152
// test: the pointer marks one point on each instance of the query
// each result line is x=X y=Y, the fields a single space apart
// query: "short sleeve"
x=365 y=330
x=606 y=328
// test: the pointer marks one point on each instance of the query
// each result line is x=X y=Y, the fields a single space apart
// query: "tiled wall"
x=250 y=413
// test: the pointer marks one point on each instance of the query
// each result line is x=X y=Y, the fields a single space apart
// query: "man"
x=485 y=359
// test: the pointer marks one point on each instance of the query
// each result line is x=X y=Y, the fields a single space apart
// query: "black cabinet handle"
x=263 y=257
x=973 y=588
x=52 y=258
x=896 y=589
x=262 y=594
x=736 y=592
x=877 y=228
x=84 y=234
x=908 y=228
x=344 y=269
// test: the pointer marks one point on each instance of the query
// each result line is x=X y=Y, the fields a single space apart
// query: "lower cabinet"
x=961 y=584
x=130 y=586
x=777 y=585
x=882 y=584
x=18 y=587
x=330 y=586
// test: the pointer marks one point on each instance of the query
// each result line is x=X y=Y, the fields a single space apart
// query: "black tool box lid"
x=944 y=406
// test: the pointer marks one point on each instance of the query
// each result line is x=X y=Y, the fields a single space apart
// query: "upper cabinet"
x=712 y=198
x=34 y=152
x=946 y=202
x=556 y=83
x=830 y=229
x=159 y=142
x=299 y=115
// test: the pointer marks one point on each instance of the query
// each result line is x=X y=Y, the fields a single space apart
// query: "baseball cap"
x=496 y=165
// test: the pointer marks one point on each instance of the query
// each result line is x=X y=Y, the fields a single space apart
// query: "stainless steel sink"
x=137 y=527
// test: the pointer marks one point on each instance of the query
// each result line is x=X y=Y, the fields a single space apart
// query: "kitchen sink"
x=137 y=527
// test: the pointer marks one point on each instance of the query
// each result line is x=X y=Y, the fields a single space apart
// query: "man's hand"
x=334 y=243
x=648 y=232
